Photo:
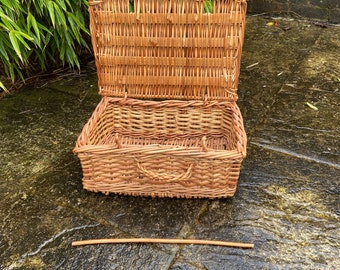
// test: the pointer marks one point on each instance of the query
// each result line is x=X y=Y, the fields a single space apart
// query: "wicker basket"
x=168 y=148
x=168 y=124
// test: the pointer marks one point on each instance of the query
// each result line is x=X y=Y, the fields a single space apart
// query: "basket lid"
x=168 y=49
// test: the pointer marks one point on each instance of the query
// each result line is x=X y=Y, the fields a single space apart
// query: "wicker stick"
x=162 y=241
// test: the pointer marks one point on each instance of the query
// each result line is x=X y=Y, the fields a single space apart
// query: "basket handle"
x=166 y=177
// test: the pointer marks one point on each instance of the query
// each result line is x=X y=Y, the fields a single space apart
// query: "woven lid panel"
x=168 y=49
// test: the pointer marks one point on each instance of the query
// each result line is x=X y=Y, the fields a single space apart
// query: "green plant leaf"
x=47 y=39
x=4 y=43
x=31 y=21
x=62 y=4
x=20 y=36
x=73 y=26
x=5 y=17
x=8 y=25
x=71 y=57
x=69 y=4
x=50 y=7
x=69 y=40
x=208 y=6
x=43 y=28
x=79 y=24
x=3 y=87
x=8 y=3
x=60 y=15
x=3 y=50
x=11 y=72
x=15 y=44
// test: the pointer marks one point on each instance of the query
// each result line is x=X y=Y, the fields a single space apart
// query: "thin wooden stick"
x=161 y=241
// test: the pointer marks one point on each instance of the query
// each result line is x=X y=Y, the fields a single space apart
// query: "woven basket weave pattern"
x=168 y=48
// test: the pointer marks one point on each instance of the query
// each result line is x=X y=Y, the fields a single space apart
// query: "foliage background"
x=36 y=35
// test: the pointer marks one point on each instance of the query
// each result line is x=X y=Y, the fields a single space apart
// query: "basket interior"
x=173 y=126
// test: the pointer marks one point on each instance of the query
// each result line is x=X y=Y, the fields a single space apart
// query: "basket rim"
x=156 y=149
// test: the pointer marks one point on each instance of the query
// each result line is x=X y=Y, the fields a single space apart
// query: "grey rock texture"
x=319 y=10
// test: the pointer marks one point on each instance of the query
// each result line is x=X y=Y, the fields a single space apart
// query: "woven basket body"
x=169 y=148
x=168 y=124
